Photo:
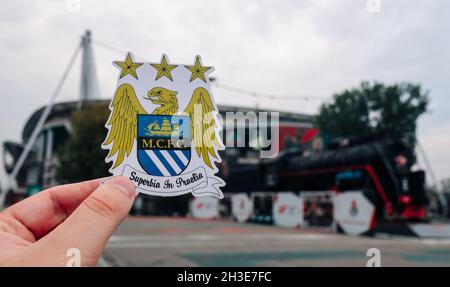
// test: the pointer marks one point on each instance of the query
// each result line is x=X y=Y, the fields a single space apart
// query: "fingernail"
x=122 y=183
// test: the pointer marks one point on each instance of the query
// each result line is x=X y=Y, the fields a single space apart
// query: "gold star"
x=164 y=69
x=128 y=67
x=198 y=71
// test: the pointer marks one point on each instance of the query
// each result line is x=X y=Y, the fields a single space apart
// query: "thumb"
x=89 y=227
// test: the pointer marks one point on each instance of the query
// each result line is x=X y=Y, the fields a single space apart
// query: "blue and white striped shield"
x=163 y=144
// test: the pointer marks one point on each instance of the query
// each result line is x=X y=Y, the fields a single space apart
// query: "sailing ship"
x=154 y=129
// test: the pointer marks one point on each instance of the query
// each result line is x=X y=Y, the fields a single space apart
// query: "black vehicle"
x=380 y=168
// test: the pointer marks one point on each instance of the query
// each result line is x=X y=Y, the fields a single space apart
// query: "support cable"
x=40 y=123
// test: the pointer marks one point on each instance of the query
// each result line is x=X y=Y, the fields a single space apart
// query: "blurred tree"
x=374 y=108
x=81 y=157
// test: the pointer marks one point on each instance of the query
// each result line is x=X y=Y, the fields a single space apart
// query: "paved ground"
x=161 y=241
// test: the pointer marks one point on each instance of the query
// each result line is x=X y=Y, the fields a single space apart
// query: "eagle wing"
x=203 y=125
x=122 y=122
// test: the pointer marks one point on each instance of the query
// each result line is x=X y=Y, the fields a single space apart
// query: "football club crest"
x=163 y=131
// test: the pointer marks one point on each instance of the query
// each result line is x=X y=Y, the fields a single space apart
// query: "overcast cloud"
x=308 y=48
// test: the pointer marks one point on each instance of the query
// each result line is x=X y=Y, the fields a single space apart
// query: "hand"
x=39 y=230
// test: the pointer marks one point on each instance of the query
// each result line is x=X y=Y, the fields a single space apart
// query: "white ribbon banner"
x=197 y=182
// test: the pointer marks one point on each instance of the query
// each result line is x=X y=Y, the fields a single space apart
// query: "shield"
x=163 y=144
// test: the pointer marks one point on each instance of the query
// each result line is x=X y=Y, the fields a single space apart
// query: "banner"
x=241 y=207
x=288 y=210
x=195 y=181
x=205 y=207
x=353 y=212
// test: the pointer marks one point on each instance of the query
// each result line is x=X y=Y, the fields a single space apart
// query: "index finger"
x=45 y=210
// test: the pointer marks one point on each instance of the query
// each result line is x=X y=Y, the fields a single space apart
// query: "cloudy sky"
x=299 y=48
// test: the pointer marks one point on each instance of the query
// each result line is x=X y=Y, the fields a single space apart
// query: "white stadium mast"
x=89 y=89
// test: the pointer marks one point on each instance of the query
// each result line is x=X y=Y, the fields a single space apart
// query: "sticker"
x=163 y=130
